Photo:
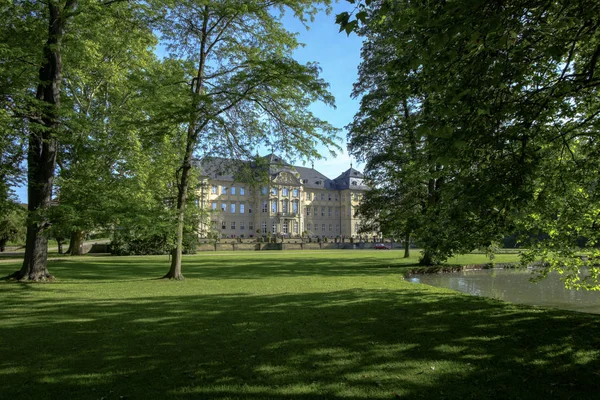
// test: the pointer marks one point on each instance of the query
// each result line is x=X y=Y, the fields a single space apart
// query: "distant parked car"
x=381 y=246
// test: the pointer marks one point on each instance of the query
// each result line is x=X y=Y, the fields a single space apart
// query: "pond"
x=513 y=285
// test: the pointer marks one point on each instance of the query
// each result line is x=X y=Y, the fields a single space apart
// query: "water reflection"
x=515 y=286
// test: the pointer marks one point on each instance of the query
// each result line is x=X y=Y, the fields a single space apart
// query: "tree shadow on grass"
x=358 y=344
x=220 y=267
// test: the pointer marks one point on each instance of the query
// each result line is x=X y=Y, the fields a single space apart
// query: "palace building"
x=295 y=201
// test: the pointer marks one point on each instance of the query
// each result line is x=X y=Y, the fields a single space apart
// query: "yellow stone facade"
x=297 y=201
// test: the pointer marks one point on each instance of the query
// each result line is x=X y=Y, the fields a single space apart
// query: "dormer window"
x=318 y=182
x=304 y=181
x=354 y=183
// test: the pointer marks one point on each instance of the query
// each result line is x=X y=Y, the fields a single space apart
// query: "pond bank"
x=449 y=268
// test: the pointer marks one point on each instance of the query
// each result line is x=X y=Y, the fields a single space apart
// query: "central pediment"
x=286 y=178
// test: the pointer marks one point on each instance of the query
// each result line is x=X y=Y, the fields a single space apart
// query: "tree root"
x=42 y=276
x=178 y=277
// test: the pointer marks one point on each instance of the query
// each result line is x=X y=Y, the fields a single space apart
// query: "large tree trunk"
x=407 y=245
x=426 y=259
x=76 y=243
x=175 y=270
x=41 y=155
x=186 y=167
x=41 y=160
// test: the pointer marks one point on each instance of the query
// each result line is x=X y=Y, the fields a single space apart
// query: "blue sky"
x=339 y=56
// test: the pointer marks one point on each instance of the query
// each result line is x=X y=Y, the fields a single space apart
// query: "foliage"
x=61 y=62
x=115 y=167
x=505 y=98
x=15 y=87
x=113 y=164
x=13 y=226
x=11 y=157
x=151 y=232
x=250 y=92
x=127 y=244
x=244 y=89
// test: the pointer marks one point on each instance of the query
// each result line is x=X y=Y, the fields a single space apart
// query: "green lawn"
x=281 y=325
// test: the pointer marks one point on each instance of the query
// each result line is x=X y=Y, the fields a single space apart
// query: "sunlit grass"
x=293 y=325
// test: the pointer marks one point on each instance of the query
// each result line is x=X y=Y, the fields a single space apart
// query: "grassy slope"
x=305 y=325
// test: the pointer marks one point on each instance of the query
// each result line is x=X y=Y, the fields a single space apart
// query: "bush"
x=124 y=244
x=190 y=242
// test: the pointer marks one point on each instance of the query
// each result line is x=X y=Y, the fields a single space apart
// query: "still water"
x=513 y=285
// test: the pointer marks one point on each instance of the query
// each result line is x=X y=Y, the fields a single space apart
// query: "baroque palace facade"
x=296 y=201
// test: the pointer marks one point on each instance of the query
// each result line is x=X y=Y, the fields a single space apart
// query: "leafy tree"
x=396 y=166
x=106 y=156
x=35 y=100
x=507 y=100
x=41 y=111
x=15 y=80
x=11 y=157
x=13 y=226
x=244 y=89
x=154 y=234
x=46 y=100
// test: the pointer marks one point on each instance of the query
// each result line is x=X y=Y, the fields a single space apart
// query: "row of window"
x=295 y=192
x=329 y=210
x=286 y=206
x=310 y=228
x=286 y=227
x=233 y=227
x=228 y=190
x=242 y=191
x=232 y=207
x=324 y=196
x=284 y=192
x=329 y=196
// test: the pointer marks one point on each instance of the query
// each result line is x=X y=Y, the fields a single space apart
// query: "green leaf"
x=350 y=27
x=361 y=16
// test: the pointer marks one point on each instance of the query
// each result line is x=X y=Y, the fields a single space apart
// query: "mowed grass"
x=281 y=325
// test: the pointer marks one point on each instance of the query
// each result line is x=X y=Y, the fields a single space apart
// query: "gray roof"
x=311 y=178
x=351 y=179
x=224 y=169
x=218 y=168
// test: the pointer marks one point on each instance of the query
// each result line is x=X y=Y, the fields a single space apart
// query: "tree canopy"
x=500 y=102
x=244 y=88
x=84 y=99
